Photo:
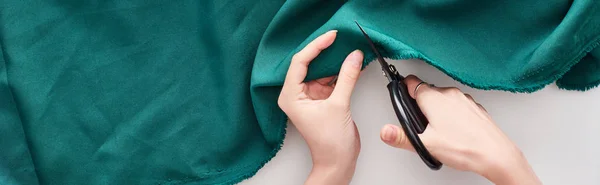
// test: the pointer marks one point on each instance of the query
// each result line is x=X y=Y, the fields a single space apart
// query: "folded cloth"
x=185 y=92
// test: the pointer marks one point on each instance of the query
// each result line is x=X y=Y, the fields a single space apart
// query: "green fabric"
x=185 y=92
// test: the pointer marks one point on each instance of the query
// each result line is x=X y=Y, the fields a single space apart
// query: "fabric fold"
x=16 y=166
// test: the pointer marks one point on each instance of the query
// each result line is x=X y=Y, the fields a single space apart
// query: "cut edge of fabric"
x=406 y=54
x=566 y=86
x=252 y=169
x=272 y=155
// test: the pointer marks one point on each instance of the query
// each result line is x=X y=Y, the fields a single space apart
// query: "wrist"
x=511 y=171
x=339 y=173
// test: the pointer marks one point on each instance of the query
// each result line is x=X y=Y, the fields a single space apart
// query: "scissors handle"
x=412 y=120
x=421 y=121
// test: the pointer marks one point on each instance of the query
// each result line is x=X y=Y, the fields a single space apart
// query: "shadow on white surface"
x=557 y=130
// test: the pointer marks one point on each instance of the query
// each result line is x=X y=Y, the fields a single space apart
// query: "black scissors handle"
x=412 y=120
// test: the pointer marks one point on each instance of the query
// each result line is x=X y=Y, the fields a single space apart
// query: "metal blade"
x=384 y=64
x=370 y=41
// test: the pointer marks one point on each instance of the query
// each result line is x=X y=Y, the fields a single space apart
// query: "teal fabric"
x=185 y=92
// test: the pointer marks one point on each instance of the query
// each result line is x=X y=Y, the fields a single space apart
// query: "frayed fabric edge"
x=559 y=72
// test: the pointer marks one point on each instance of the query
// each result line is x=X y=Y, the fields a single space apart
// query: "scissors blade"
x=382 y=62
x=369 y=40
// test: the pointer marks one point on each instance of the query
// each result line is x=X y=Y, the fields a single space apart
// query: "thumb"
x=348 y=76
x=394 y=136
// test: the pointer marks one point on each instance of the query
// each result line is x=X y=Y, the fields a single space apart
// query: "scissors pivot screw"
x=392 y=69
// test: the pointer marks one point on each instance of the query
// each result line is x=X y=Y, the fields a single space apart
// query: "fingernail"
x=390 y=133
x=332 y=31
x=355 y=58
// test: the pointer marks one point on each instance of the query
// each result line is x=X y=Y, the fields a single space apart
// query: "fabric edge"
x=565 y=86
x=253 y=170
x=579 y=88
x=558 y=72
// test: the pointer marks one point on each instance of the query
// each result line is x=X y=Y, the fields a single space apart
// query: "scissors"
x=408 y=112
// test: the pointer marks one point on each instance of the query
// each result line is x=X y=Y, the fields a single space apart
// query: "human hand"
x=321 y=113
x=462 y=135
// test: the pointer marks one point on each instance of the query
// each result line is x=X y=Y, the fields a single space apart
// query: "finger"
x=425 y=96
x=394 y=136
x=348 y=76
x=299 y=65
x=411 y=82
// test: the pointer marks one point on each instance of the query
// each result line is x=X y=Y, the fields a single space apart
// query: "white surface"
x=557 y=130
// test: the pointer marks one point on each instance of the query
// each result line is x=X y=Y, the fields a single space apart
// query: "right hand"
x=463 y=136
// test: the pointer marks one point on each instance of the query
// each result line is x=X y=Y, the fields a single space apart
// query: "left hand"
x=321 y=113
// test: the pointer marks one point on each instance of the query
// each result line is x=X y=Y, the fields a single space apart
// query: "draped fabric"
x=185 y=92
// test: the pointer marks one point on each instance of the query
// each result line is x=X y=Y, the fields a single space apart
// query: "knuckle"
x=402 y=141
x=481 y=107
x=295 y=57
x=281 y=102
x=453 y=91
x=349 y=75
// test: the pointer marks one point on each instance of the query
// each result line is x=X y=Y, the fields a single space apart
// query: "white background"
x=557 y=130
